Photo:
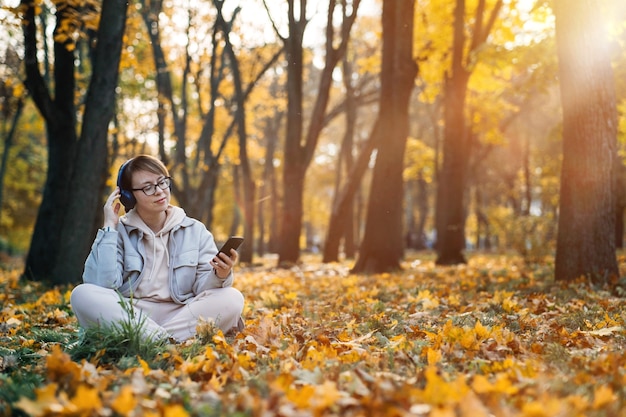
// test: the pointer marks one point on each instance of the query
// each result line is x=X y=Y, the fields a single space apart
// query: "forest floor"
x=495 y=337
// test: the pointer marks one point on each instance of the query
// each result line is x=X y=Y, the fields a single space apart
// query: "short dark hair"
x=141 y=163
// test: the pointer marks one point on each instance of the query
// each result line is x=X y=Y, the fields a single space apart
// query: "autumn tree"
x=12 y=100
x=382 y=247
x=450 y=213
x=300 y=143
x=77 y=164
x=361 y=89
x=586 y=240
x=196 y=124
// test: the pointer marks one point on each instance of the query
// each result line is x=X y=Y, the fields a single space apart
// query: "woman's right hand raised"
x=112 y=209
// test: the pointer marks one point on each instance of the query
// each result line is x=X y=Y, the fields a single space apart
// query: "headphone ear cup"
x=126 y=196
x=127 y=199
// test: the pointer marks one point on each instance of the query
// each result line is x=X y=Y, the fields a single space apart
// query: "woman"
x=164 y=262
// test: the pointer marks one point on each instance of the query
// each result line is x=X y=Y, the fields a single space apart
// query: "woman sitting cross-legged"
x=158 y=259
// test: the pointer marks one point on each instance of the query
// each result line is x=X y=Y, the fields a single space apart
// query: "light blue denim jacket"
x=117 y=257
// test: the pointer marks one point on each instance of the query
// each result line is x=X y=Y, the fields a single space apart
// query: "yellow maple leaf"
x=433 y=356
x=245 y=361
x=441 y=392
x=468 y=341
x=602 y=396
x=481 y=331
x=61 y=368
x=544 y=407
x=301 y=397
x=326 y=395
x=86 y=399
x=144 y=366
x=175 y=410
x=482 y=385
x=51 y=297
x=125 y=402
x=442 y=412
x=45 y=401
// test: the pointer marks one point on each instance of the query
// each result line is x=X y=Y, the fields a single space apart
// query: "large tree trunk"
x=382 y=246
x=59 y=114
x=90 y=169
x=586 y=234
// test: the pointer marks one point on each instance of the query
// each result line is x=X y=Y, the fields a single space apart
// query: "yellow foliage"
x=45 y=402
x=86 y=400
x=602 y=396
x=125 y=402
x=362 y=344
x=62 y=369
x=175 y=410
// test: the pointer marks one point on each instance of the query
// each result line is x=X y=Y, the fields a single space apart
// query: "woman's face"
x=155 y=203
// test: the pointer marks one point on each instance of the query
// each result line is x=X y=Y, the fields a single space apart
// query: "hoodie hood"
x=174 y=216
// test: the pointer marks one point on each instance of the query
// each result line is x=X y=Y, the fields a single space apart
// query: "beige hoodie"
x=154 y=279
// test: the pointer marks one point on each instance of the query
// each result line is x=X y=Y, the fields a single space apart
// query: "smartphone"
x=233 y=242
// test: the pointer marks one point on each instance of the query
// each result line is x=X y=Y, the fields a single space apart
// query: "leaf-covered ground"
x=494 y=337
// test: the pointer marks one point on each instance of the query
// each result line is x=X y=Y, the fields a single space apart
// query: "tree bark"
x=383 y=246
x=248 y=185
x=298 y=153
x=343 y=202
x=344 y=229
x=586 y=226
x=90 y=168
x=59 y=114
x=450 y=213
x=8 y=145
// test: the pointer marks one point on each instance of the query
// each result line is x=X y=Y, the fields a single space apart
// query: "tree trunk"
x=347 y=146
x=450 y=193
x=90 y=169
x=298 y=153
x=586 y=227
x=422 y=204
x=60 y=118
x=343 y=228
x=267 y=199
x=620 y=202
x=237 y=191
x=450 y=213
x=248 y=185
x=382 y=245
x=343 y=203
x=8 y=144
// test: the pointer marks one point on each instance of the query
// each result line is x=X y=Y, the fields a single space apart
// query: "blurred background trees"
x=209 y=88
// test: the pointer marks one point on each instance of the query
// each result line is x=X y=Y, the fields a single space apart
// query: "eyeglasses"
x=150 y=189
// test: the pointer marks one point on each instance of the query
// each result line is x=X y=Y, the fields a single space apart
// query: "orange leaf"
x=61 y=368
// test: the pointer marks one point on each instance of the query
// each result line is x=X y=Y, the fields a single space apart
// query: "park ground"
x=495 y=337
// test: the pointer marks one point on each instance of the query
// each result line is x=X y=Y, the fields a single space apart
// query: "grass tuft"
x=120 y=343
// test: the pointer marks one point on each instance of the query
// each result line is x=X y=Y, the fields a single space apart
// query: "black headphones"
x=126 y=196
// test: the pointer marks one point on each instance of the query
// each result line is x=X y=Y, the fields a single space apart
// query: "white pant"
x=95 y=305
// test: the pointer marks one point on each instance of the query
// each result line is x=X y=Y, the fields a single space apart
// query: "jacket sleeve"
x=206 y=278
x=104 y=264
